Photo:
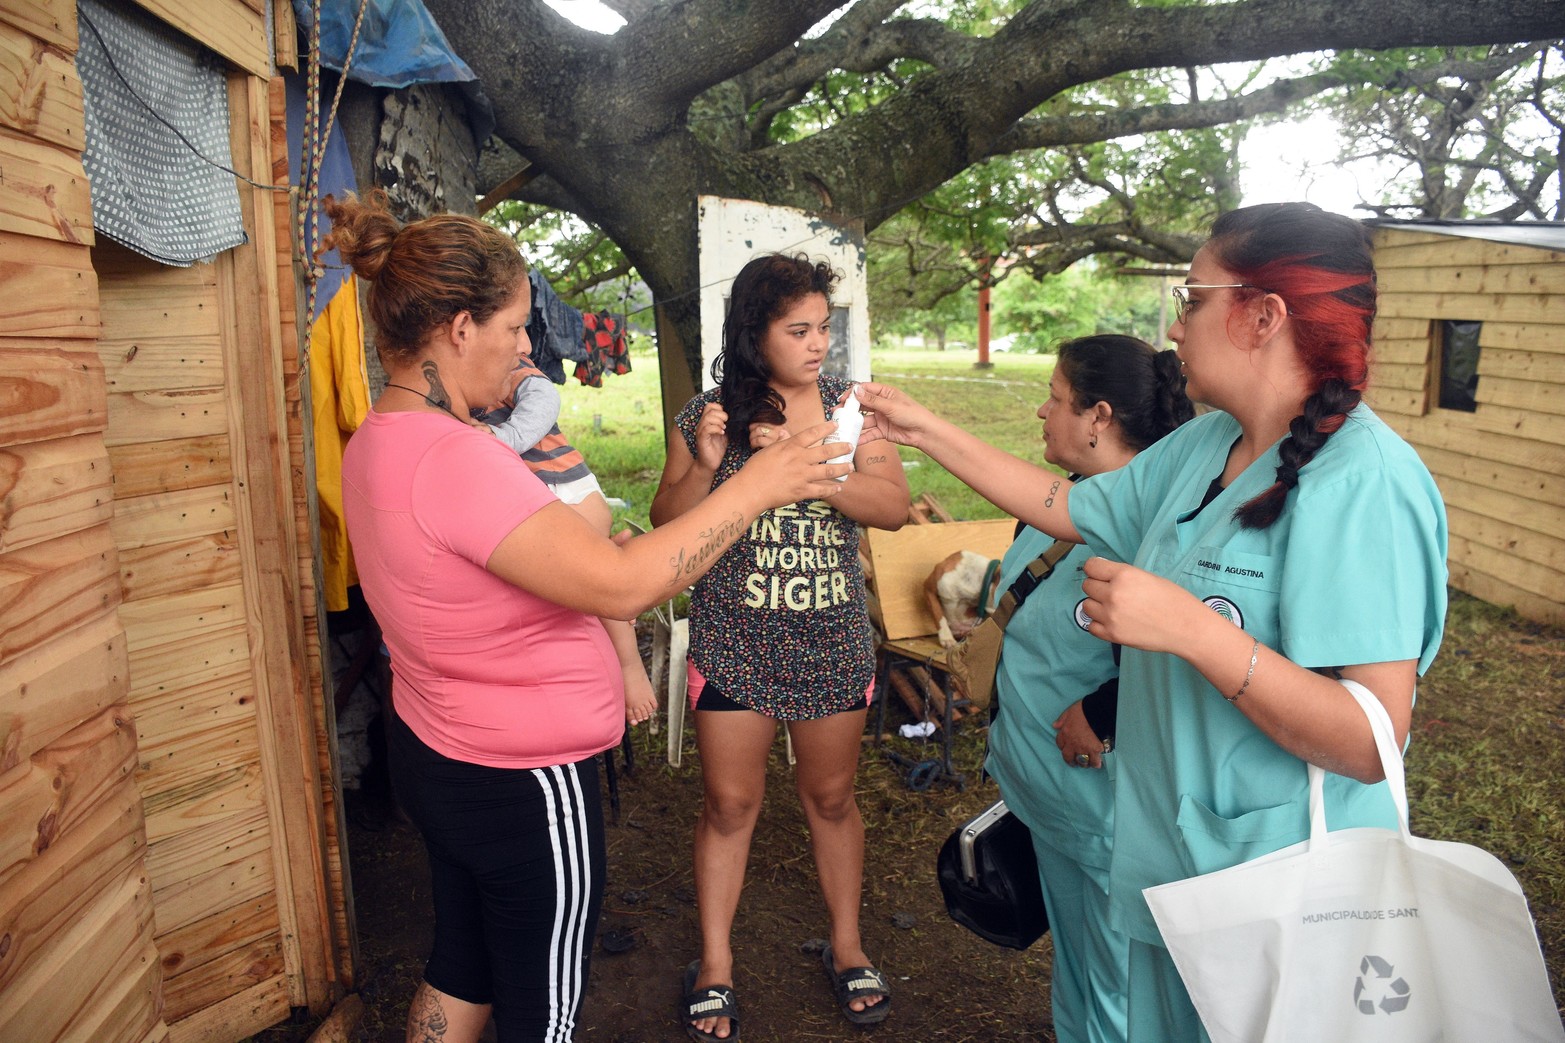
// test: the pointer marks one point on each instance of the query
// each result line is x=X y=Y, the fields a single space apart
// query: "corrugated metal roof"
x=1546 y=235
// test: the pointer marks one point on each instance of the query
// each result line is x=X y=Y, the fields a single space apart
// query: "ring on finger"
x=1083 y=759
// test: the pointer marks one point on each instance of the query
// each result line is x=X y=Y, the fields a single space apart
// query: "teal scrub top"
x=1047 y=663
x=1354 y=571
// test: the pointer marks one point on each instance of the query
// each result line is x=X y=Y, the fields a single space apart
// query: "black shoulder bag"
x=987 y=868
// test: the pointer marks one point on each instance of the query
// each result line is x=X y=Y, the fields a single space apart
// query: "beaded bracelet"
x=1255 y=653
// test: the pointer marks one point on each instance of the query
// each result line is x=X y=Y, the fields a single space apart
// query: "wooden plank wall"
x=203 y=520
x=301 y=459
x=1501 y=469
x=193 y=689
x=235 y=29
x=163 y=843
x=77 y=954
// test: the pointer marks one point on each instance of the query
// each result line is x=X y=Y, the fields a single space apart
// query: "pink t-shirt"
x=485 y=672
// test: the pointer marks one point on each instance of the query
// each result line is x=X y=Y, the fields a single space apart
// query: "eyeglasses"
x=1182 y=301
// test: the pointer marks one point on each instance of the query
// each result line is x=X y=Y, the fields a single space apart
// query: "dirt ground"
x=949 y=986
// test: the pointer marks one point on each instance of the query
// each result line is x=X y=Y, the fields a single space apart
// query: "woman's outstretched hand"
x=891 y=414
x=798 y=468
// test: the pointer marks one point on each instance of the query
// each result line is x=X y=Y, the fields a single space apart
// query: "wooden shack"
x=169 y=863
x=1470 y=368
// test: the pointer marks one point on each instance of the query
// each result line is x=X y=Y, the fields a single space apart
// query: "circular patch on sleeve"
x=1225 y=608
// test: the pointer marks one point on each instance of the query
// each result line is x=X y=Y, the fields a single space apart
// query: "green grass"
x=1490 y=720
x=619 y=429
x=998 y=405
x=1482 y=768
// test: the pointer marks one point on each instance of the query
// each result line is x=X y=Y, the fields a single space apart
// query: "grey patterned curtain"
x=157 y=137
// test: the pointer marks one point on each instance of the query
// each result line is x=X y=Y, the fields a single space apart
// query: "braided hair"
x=763 y=290
x=1320 y=264
x=1145 y=386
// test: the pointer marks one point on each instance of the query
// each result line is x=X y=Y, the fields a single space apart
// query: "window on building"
x=1459 y=364
x=839 y=353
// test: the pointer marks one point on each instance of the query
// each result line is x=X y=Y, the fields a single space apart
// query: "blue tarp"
x=399 y=43
x=336 y=178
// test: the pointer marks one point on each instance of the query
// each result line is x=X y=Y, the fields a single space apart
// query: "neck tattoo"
x=437 y=391
x=428 y=400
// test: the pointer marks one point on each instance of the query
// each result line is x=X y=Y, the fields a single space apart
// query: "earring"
x=1094 y=442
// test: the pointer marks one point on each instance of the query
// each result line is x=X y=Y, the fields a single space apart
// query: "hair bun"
x=363 y=231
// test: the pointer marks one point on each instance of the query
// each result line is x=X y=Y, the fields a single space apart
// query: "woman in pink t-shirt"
x=487 y=590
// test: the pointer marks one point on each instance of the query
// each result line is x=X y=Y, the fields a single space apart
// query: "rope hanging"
x=313 y=151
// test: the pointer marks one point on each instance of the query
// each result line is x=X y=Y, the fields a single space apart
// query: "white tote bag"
x=1363 y=934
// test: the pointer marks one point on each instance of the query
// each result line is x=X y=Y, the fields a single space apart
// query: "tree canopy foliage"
x=1462 y=132
x=1041 y=130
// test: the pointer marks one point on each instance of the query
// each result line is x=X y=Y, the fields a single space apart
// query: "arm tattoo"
x=713 y=542
x=875 y=460
x=426 y=1020
x=437 y=391
x=1053 y=491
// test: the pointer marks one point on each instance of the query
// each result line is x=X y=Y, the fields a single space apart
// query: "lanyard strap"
x=984 y=609
x=1028 y=581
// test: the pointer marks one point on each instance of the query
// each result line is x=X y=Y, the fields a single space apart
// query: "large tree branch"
x=958 y=115
x=549 y=79
x=686 y=48
x=862 y=40
x=1051 y=250
x=1084 y=128
x=1528 y=196
x=511 y=39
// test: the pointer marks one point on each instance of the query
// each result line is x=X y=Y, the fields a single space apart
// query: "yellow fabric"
x=340 y=397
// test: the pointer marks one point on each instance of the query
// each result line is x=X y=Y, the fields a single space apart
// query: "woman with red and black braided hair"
x=1246 y=562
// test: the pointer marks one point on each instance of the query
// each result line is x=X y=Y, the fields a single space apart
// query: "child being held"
x=526 y=420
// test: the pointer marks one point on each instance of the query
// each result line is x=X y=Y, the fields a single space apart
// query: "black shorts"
x=516 y=858
x=714 y=698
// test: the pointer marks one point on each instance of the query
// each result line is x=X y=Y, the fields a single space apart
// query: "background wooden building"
x=1470 y=368
x=169 y=865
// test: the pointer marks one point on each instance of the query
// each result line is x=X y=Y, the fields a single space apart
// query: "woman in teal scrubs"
x=1109 y=398
x=1283 y=540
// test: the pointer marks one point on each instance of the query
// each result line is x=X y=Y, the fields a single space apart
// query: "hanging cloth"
x=554 y=328
x=155 y=108
x=604 y=341
x=339 y=400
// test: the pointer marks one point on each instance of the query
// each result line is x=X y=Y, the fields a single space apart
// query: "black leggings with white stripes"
x=516 y=861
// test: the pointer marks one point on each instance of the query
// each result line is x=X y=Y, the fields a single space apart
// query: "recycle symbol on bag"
x=1376 y=989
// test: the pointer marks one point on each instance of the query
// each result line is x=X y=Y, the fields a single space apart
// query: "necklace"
x=427 y=400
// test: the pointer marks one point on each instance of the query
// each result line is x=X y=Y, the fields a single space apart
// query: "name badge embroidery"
x=1230 y=570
